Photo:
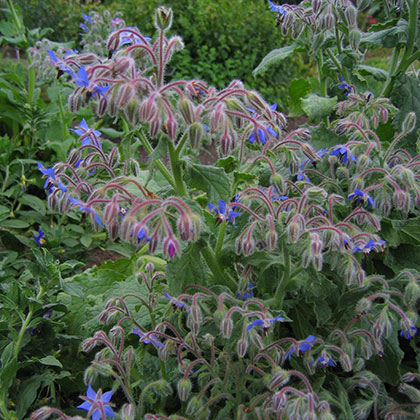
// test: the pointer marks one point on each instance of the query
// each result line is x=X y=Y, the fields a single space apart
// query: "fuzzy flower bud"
x=409 y=122
x=363 y=306
x=217 y=117
x=195 y=133
x=242 y=346
x=128 y=412
x=131 y=111
x=184 y=387
x=316 y=6
x=293 y=232
x=187 y=110
x=279 y=378
x=171 y=126
x=148 y=109
x=351 y=16
x=41 y=414
x=125 y=94
x=194 y=405
x=227 y=327
x=411 y=392
x=408 y=178
x=163 y=18
x=412 y=292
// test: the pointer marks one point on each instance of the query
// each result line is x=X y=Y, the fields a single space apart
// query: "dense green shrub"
x=221 y=42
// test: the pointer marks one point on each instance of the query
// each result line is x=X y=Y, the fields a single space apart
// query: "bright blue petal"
x=85 y=406
x=254 y=323
x=90 y=393
x=222 y=206
x=106 y=396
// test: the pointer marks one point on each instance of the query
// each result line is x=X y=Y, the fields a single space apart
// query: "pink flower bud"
x=185 y=227
x=293 y=231
x=148 y=109
x=171 y=247
x=171 y=126
x=154 y=126
x=126 y=229
x=125 y=94
x=187 y=110
x=225 y=144
x=316 y=6
x=131 y=111
x=217 y=117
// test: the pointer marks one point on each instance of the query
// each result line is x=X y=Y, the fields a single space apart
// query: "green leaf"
x=387 y=38
x=406 y=97
x=34 y=203
x=298 y=89
x=50 y=361
x=274 y=57
x=228 y=163
x=14 y=224
x=388 y=367
x=27 y=394
x=316 y=107
x=209 y=179
x=86 y=240
x=377 y=73
x=111 y=132
x=189 y=268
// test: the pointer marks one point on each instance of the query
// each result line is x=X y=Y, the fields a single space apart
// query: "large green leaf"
x=387 y=38
x=317 y=107
x=298 y=89
x=209 y=179
x=187 y=269
x=274 y=57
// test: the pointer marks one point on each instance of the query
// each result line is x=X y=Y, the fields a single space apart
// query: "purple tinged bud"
x=131 y=111
x=351 y=16
x=122 y=64
x=217 y=117
x=227 y=327
x=187 y=110
x=293 y=232
x=126 y=228
x=42 y=413
x=171 y=126
x=148 y=109
x=125 y=94
x=316 y=245
x=74 y=101
x=184 y=387
x=154 y=126
x=271 y=239
x=154 y=242
x=195 y=133
x=102 y=106
x=185 y=227
x=328 y=20
x=279 y=378
x=88 y=344
x=256 y=102
x=383 y=113
x=111 y=211
x=242 y=346
x=399 y=199
x=171 y=247
x=316 y=6
x=226 y=144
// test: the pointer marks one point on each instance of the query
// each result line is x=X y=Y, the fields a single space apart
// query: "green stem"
x=149 y=149
x=66 y=132
x=22 y=331
x=31 y=85
x=213 y=264
x=17 y=22
x=220 y=240
x=176 y=170
x=408 y=56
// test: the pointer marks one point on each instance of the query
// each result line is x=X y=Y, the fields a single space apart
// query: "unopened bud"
x=317 y=194
x=171 y=126
x=163 y=18
x=355 y=37
x=128 y=412
x=217 y=117
x=316 y=6
x=226 y=144
x=184 y=387
x=194 y=405
x=278 y=182
x=363 y=306
x=351 y=16
x=74 y=102
x=227 y=327
x=242 y=346
x=346 y=363
x=412 y=292
x=293 y=231
x=187 y=110
x=148 y=109
x=132 y=112
x=125 y=94
x=411 y=392
x=41 y=414
x=195 y=133
x=408 y=178
x=409 y=122
x=126 y=229
x=154 y=126
x=328 y=21
x=280 y=377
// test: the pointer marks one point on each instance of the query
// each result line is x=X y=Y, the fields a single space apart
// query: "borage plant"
x=278 y=311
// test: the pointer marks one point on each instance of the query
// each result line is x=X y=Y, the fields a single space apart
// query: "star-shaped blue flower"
x=56 y=62
x=151 y=339
x=82 y=80
x=264 y=323
x=84 y=207
x=222 y=213
x=346 y=87
x=277 y=8
x=343 y=154
x=361 y=197
x=84 y=129
x=409 y=333
x=304 y=345
x=40 y=238
x=97 y=402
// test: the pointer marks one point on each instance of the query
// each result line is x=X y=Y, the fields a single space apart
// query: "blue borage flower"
x=246 y=294
x=82 y=80
x=83 y=207
x=87 y=133
x=40 y=238
x=326 y=362
x=361 y=197
x=96 y=403
x=343 y=154
x=346 y=87
x=50 y=175
x=261 y=135
x=130 y=38
x=409 y=332
x=87 y=19
x=370 y=246
x=222 y=213
x=277 y=8
x=264 y=323
x=147 y=339
x=303 y=345
x=175 y=302
x=56 y=62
